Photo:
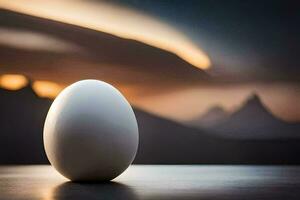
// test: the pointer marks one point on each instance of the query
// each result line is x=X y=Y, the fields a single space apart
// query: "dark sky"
x=259 y=38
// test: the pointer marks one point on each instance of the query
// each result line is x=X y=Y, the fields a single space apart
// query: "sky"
x=172 y=58
x=260 y=38
x=130 y=27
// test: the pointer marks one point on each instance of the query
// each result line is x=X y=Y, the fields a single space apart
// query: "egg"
x=90 y=132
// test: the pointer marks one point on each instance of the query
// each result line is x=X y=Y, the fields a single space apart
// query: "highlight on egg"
x=90 y=132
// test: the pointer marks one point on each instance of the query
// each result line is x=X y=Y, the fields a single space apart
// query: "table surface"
x=156 y=182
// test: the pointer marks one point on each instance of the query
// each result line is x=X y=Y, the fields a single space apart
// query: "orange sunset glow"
x=13 y=81
x=46 y=88
x=120 y=21
x=42 y=88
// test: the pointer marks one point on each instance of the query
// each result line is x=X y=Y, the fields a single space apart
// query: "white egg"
x=90 y=133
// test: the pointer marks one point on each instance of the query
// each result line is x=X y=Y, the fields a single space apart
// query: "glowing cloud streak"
x=23 y=39
x=120 y=21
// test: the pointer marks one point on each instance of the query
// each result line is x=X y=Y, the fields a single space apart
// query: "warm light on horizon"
x=120 y=21
x=46 y=89
x=279 y=101
x=13 y=81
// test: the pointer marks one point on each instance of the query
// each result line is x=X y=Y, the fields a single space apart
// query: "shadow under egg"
x=93 y=190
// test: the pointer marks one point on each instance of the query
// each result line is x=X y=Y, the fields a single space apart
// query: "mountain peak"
x=254 y=102
x=253 y=120
x=254 y=98
x=216 y=109
x=212 y=116
x=252 y=105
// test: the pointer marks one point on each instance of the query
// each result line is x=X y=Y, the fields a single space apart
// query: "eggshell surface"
x=90 y=132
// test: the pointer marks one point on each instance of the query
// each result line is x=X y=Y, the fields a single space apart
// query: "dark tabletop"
x=156 y=182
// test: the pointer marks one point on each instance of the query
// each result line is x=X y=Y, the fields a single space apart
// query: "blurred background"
x=210 y=82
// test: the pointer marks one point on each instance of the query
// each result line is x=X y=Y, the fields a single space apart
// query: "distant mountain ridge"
x=213 y=116
x=161 y=141
x=252 y=120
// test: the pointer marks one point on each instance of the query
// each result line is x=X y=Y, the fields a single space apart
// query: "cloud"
x=120 y=21
x=30 y=40
x=126 y=63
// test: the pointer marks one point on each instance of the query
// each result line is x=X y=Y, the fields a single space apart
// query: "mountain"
x=21 y=121
x=161 y=141
x=254 y=121
x=213 y=116
x=167 y=142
